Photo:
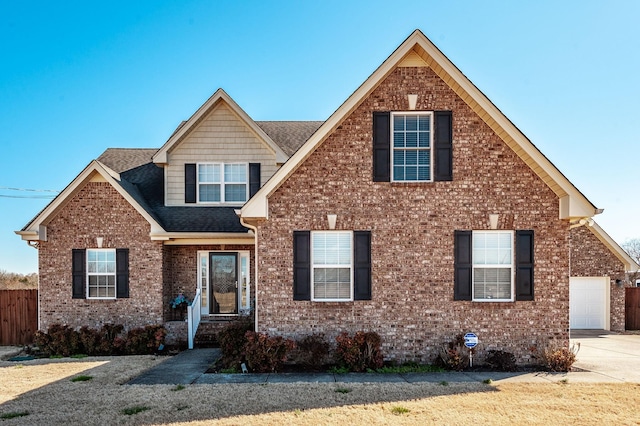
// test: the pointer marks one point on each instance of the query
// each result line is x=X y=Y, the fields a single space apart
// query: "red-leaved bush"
x=359 y=352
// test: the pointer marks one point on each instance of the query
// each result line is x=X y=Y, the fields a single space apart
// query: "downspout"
x=255 y=267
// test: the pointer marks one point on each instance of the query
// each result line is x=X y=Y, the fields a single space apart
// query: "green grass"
x=178 y=388
x=339 y=370
x=409 y=368
x=13 y=415
x=56 y=357
x=79 y=356
x=81 y=378
x=487 y=381
x=444 y=383
x=343 y=390
x=135 y=410
x=398 y=409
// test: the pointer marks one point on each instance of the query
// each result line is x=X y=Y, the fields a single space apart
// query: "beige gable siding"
x=220 y=137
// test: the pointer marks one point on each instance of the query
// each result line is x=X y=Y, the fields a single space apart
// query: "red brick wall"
x=182 y=268
x=412 y=227
x=591 y=258
x=98 y=210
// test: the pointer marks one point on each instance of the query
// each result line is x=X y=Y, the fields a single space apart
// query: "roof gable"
x=630 y=265
x=95 y=171
x=417 y=50
x=220 y=96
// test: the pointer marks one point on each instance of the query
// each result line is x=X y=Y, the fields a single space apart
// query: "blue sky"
x=79 y=77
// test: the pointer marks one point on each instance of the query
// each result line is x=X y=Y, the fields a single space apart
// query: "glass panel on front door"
x=224 y=283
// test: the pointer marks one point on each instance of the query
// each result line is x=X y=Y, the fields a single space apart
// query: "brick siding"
x=98 y=210
x=591 y=258
x=412 y=227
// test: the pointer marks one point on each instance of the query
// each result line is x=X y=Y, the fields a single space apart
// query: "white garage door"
x=588 y=302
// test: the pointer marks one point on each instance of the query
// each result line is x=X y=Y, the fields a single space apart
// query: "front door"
x=223 y=277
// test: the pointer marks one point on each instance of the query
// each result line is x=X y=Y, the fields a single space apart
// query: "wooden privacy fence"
x=18 y=316
x=632 y=308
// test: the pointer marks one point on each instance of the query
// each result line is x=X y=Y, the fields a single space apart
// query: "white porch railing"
x=193 y=317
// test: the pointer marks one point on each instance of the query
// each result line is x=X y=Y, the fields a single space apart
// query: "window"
x=331 y=266
x=101 y=273
x=492 y=265
x=411 y=147
x=222 y=183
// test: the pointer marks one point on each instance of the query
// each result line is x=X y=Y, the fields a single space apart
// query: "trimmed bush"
x=501 y=360
x=312 y=352
x=61 y=340
x=232 y=340
x=265 y=354
x=359 y=352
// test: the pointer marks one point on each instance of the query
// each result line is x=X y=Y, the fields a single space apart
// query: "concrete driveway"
x=615 y=357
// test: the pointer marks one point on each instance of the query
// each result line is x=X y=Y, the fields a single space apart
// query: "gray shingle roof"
x=144 y=181
x=289 y=135
x=122 y=159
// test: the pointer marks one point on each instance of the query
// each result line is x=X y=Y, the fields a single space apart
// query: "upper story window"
x=222 y=183
x=411 y=141
x=101 y=273
x=493 y=270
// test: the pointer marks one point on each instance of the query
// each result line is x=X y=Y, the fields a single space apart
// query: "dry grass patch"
x=43 y=389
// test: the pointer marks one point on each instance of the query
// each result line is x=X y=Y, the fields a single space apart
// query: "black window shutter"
x=381 y=146
x=362 y=265
x=122 y=273
x=254 y=178
x=463 y=265
x=443 y=146
x=301 y=265
x=78 y=266
x=524 y=265
x=190 y=183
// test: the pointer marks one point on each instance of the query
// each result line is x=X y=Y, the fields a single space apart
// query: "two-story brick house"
x=417 y=210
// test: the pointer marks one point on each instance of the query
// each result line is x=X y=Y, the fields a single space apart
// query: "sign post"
x=470 y=341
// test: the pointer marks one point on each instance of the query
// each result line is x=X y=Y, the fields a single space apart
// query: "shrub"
x=501 y=360
x=145 y=340
x=232 y=339
x=359 y=352
x=264 y=353
x=60 y=340
x=454 y=355
x=556 y=358
x=311 y=352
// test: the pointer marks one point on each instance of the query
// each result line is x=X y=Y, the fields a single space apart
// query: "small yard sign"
x=470 y=340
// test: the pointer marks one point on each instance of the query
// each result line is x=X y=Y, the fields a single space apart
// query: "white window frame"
x=222 y=183
x=418 y=149
x=102 y=274
x=244 y=280
x=511 y=265
x=329 y=266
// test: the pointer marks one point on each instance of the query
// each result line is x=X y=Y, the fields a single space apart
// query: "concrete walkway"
x=603 y=358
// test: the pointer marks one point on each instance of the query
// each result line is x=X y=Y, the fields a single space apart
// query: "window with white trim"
x=411 y=141
x=493 y=266
x=101 y=273
x=222 y=182
x=332 y=266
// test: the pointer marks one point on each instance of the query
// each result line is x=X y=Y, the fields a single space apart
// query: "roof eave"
x=37 y=226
